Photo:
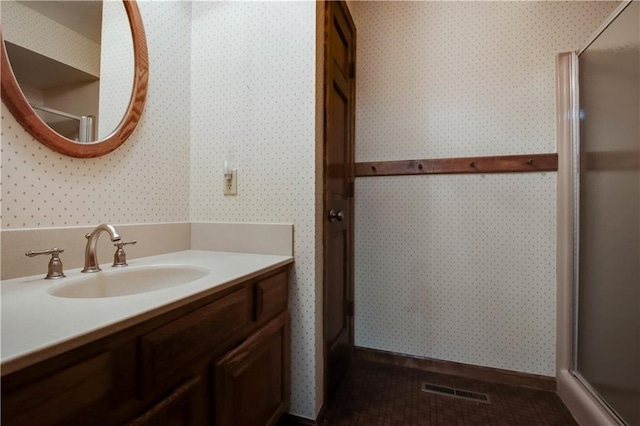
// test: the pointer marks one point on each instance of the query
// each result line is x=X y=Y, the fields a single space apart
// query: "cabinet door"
x=183 y=407
x=252 y=381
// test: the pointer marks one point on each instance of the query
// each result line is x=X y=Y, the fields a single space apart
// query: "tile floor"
x=374 y=394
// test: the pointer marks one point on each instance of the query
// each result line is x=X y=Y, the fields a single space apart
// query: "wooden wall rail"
x=496 y=164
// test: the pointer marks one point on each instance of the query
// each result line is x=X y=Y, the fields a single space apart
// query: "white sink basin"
x=128 y=280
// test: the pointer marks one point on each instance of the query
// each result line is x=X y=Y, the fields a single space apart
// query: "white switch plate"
x=230 y=187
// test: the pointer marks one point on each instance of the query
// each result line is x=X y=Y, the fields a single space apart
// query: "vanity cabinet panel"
x=271 y=296
x=252 y=381
x=103 y=382
x=170 y=352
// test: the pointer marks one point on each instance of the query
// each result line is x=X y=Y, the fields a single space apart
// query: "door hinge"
x=349 y=308
x=352 y=69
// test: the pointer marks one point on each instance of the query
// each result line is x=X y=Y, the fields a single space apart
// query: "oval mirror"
x=74 y=73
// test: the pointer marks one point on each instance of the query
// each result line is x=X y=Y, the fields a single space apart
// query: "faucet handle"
x=120 y=257
x=54 y=269
x=121 y=244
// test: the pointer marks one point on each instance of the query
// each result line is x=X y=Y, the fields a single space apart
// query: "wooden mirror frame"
x=13 y=97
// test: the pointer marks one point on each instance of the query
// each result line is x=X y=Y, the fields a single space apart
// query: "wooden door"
x=252 y=381
x=339 y=132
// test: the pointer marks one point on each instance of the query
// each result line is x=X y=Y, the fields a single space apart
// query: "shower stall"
x=77 y=128
x=599 y=223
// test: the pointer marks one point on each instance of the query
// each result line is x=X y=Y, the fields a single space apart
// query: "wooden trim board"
x=494 y=375
x=495 y=164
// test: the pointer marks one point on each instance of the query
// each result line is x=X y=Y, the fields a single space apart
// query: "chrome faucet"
x=90 y=253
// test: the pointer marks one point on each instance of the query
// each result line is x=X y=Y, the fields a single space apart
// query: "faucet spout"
x=91 y=251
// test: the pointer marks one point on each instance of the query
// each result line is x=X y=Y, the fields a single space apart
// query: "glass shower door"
x=608 y=313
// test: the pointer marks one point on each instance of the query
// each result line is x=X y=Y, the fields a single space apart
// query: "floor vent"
x=456 y=393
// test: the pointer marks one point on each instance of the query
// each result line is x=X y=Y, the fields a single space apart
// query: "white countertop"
x=37 y=325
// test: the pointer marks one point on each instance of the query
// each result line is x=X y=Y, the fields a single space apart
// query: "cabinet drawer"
x=58 y=398
x=271 y=296
x=169 y=352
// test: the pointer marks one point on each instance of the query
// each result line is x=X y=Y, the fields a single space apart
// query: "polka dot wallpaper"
x=460 y=268
x=146 y=180
x=253 y=84
x=452 y=79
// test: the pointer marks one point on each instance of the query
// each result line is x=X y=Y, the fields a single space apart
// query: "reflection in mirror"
x=73 y=61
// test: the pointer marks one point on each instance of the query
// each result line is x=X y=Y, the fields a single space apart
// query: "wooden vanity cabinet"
x=221 y=360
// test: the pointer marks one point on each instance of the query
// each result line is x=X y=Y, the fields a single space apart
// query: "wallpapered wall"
x=144 y=181
x=253 y=69
x=460 y=268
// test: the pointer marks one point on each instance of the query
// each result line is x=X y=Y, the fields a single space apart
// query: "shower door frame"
x=581 y=398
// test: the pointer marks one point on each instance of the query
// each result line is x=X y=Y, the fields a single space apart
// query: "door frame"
x=351 y=159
